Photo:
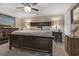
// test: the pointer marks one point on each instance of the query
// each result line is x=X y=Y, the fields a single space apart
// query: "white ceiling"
x=44 y=9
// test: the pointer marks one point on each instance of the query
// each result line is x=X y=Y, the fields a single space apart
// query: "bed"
x=34 y=40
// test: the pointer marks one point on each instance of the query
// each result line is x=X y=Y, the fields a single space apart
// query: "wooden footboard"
x=41 y=43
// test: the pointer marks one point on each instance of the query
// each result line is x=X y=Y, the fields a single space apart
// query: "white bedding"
x=36 y=33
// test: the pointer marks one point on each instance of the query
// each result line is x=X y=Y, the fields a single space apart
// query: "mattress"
x=34 y=33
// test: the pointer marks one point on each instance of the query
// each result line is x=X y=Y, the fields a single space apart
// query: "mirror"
x=75 y=14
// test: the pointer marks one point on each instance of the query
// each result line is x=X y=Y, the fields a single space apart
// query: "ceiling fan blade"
x=24 y=4
x=34 y=4
x=28 y=4
x=35 y=9
x=19 y=7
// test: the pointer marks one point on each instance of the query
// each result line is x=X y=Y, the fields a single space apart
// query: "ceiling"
x=44 y=9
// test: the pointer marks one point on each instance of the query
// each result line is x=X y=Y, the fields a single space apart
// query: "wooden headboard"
x=40 y=24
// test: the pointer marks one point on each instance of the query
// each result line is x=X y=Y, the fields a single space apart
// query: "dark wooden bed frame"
x=37 y=43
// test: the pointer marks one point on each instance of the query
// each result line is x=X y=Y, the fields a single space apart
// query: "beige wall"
x=47 y=19
x=21 y=22
x=44 y=18
x=67 y=23
x=18 y=22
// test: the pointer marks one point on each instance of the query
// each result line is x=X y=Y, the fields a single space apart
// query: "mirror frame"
x=72 y=20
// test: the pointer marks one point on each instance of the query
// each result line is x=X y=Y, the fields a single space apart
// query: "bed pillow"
x=46 y=28
x=34 y=29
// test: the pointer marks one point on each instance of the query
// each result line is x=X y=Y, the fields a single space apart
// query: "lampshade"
x=56 y=22
x=27 y=9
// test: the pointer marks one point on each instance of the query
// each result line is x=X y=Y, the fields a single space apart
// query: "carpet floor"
x=4 y=51
x=59 y=50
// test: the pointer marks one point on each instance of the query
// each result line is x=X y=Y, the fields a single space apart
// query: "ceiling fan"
x=27 y=7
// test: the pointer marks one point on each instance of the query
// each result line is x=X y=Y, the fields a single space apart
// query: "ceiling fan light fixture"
x=27 y=9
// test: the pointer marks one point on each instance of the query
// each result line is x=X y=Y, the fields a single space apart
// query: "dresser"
x=72 y=45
